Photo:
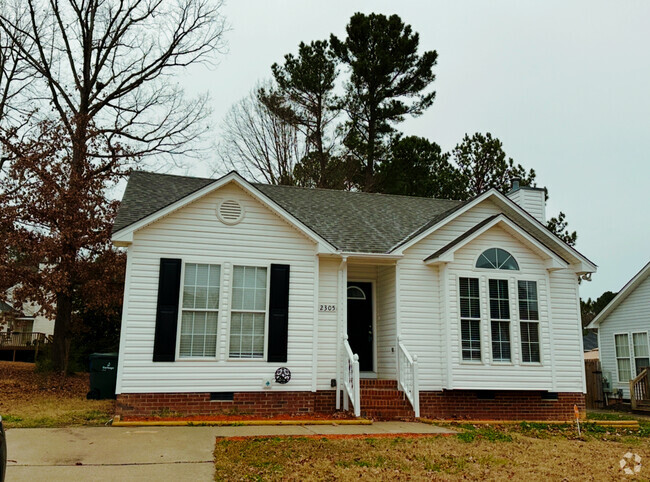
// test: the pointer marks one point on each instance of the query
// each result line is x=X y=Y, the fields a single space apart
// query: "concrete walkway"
x=148 y=453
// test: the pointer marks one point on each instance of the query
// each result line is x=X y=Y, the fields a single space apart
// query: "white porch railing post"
x=416 y=388
x=407 y=376
x=356 y=388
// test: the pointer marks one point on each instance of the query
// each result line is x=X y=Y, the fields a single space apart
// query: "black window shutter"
x=278 y=313
x=164 y=344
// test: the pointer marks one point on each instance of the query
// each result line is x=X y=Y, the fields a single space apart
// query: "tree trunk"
x=370 y=166
x=62 y=332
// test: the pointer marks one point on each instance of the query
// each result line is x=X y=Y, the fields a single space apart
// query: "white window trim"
x=632 y=357
x=495 y=270
x=516 y=354
x=179 y=322
x=266 y=312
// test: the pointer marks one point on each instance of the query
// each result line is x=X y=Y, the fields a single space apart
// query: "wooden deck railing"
x=640 y=388
x=26 y=339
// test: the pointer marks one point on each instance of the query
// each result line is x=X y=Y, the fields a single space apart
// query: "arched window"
x=356 y=293
x=496 y=258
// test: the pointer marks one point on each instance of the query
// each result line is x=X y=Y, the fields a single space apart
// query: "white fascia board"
x=585 y=266
x=124 y=236
x=629 y=287
x=553 y=260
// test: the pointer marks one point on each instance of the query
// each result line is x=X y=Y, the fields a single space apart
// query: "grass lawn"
x=524 y=452
x=30 y=399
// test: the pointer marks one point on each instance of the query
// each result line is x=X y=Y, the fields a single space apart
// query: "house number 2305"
x=327 y=308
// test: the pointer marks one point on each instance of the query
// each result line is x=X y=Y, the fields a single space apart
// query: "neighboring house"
x=590 y=345
x=623 y=328
x=27 y=320
x=469 y=309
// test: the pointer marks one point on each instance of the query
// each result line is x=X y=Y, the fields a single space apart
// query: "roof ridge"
x=141 y=171
x=355 y=192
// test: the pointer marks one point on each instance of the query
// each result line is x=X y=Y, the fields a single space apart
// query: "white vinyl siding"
x=199 y=310
x=248 y=313
x=632 y=315
x=386 y=326
x=195 y=235
x=430 y=313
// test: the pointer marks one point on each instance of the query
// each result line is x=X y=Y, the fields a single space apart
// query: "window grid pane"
x=530 y=341
x=199 y=310
x=501 y=340
x=499 y=302
x=528 y=306
x=248 y=317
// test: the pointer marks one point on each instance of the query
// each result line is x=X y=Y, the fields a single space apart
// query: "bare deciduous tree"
x=15 y=75
x=258 y=142
x=104 y=68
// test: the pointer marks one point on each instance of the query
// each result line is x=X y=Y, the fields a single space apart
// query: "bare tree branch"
x=259 y=143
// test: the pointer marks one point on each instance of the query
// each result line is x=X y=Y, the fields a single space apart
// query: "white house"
x=268 y=299
x=623 y=327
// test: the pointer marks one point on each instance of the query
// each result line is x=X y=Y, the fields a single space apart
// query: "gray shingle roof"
x=351 y=221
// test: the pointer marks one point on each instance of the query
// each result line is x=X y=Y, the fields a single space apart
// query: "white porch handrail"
x=351 y=378
x=407 y=375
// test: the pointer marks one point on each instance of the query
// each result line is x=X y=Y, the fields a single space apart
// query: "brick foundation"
x=452 y=404
x=505 y=405
x=264 y=404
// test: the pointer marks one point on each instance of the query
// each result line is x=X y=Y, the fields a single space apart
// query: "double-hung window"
x=500 y=319
x=470 y=319
x=631 y=360
x=248 y=312
x=199 y=311
x=529 y=321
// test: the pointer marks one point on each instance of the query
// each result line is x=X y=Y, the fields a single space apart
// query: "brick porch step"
x=381 y=400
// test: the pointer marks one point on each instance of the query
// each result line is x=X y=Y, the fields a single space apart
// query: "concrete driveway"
x=147 y=453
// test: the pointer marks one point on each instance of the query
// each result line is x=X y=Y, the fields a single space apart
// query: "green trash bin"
x=103 y=375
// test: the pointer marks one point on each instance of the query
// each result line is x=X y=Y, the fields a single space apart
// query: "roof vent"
x=230 y=212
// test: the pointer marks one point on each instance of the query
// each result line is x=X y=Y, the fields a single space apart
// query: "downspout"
x=342 y=276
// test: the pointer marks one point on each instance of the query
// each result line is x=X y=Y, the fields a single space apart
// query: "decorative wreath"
x=282 y=375
x=630 y=463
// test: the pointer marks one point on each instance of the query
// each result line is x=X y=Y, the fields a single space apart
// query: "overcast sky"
x=564 y=85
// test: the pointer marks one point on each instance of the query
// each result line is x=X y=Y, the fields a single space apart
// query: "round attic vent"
x=230 y=211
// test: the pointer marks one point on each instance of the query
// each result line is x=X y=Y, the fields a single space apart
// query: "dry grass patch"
x=487 y=454
x=31 y=399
